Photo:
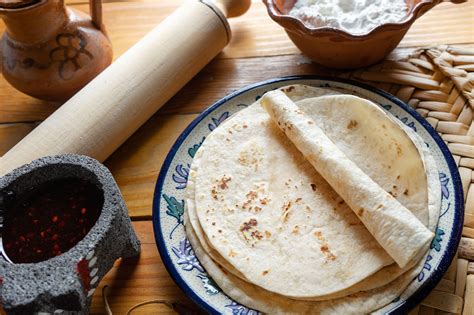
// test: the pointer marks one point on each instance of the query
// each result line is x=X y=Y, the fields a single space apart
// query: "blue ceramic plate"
x=168 y=205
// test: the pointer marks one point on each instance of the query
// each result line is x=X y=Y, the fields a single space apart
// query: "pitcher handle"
x=95 y=8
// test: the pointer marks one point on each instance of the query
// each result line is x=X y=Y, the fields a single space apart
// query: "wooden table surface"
x=259 y=50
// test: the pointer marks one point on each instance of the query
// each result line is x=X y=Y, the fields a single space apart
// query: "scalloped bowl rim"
x=278 y=17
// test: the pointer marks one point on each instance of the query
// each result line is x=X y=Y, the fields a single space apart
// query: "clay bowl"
x=339 y=49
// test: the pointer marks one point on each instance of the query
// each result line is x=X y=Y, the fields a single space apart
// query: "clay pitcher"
x=50 y=51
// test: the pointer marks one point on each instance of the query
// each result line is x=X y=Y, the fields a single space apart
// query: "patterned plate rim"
x=416 y=297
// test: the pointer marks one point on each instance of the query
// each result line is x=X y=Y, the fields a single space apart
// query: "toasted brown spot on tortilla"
x=256 y=235
x=325 y=249
x=399 y=150
x=352 y=124
x=340 y=202
x=257 y=209
x=248 y=225
x=360 y=212
x=220 y=231
x=298 y=199
x=265 y=272
x=244 y=125
x=398 y=177
x=310 y=122
x=313 y=187
x=286 y=210
x=213 y=223
x=223 y=182
x=296 y=229
x=379 y=207
x=251 y=195
x=268 y=234
x=214 y=193
x=289 y=89
x=405 y=192
x=264 y=201
x=318 y=235
x=286 y=206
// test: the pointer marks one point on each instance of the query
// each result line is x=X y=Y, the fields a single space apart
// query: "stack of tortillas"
x=312 y=202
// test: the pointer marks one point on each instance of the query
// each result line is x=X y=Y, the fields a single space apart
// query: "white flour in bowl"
x=353 y=16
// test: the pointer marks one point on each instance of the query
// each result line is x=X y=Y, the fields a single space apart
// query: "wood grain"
x=137 y=163
x=136 y=280
x=259 y=50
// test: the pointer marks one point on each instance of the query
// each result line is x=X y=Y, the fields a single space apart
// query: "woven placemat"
x=438 y=83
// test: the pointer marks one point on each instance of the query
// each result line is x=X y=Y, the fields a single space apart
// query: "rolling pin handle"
x=233 y=8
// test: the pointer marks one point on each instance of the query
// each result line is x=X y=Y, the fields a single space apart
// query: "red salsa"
x=50 y=219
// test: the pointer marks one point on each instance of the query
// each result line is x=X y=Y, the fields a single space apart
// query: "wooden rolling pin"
x=107 y=111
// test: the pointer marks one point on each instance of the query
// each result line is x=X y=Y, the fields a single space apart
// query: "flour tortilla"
x=396 y=229
x=332 y=113
x=271 y=303
x=364 y=255
x=380 y=278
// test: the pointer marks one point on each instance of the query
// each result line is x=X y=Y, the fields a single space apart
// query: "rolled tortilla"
x=394 y=227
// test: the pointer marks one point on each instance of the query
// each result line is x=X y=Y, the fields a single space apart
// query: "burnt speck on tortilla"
x=289 y=89
x=214 y=193
x=313 y=187
x=405 y=192
x=340 y=202
x=265 y=272
x=213 y=223
x=398 y=177
x=352 y=124
x=310 y=122
x=379 y=207
x=298 y=199
x=220 y=231
x=264 y=201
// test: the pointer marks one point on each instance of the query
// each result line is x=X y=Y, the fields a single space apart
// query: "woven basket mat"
x=439 y=83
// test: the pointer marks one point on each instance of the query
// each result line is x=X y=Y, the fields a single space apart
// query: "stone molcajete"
x=75 y=225
x=50 y=51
